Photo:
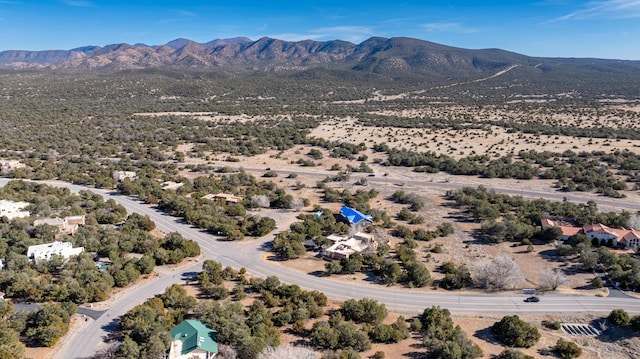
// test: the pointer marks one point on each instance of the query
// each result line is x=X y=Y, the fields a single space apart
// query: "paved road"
x=248 y=254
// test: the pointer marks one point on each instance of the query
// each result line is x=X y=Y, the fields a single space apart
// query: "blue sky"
x=553 y=28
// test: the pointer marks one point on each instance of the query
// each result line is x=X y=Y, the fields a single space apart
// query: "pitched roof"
x=546 y=222
x=625 y=235
x=570 y=231
x=354 y=216
x=599 y=227
x=195 y=335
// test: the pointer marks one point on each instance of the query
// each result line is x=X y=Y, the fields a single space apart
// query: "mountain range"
x=398 y=56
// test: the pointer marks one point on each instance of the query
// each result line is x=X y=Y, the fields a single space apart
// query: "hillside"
x=407 y=60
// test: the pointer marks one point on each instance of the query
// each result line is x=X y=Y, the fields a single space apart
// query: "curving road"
x=85 y=342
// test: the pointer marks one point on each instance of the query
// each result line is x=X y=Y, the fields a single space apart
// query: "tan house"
x=66 y=226
x=567 y=231
x=228 y=198
x=343 y=247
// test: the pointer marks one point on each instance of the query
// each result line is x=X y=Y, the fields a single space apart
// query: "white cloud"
x=447 y=27
x=348 y=33
x=290 y=36
x=607 y=9
x=186 y=13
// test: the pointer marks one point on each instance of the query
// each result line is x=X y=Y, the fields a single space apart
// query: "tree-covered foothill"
x=513 y=331
x=444 y=340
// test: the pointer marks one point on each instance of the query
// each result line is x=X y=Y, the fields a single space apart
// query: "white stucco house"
x=47 y=250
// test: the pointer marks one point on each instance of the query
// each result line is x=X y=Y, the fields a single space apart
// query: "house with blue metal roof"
x=192 y=339
x=355 y=217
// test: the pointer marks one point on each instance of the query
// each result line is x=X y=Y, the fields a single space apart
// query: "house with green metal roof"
x=192 y=339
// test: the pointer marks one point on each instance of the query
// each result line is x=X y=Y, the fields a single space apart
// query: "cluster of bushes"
x=441 y=339
x=414 y=274
x=212 y=278
x=49 y=323
x=621 y=268
x=574 y=172
x=512 y=354
x=217 y=217
x=486 y=205
x=349 y=265
x=248 y=330
x=11 y=325
x=358 y=200
x=405 y=268
x=337 y=333
x=347 y=150
x=429 y=161
x=586 y=171
x=620 y=318
x=455 y=277
x=341 y=331
x=444 y=229
x=414 y=202
x=567 y=350
x=514 y=332
x=41 y=327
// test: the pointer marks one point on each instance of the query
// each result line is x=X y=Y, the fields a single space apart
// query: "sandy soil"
x=463 y=143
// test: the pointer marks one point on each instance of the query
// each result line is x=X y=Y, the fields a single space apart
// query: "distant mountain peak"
x=178 y=43
x=181 y=42
x=397 y=57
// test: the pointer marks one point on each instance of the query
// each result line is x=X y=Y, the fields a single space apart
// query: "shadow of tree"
x=486 y=335
x=552 y=255
x=547 y=352
x=415 y=355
